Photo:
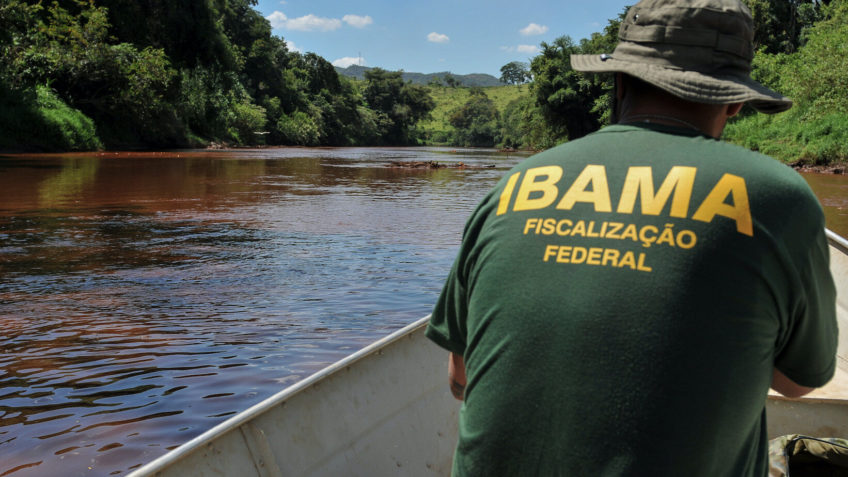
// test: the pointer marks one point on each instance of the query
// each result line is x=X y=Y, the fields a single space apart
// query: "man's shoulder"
x=635 y=141
x=764 y=170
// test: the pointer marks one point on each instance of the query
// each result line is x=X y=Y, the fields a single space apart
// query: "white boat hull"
x=387 y=410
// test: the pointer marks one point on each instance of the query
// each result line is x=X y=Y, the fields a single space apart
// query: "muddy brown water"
x=145 y=297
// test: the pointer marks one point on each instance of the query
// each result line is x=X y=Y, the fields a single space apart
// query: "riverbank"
x=837 y=169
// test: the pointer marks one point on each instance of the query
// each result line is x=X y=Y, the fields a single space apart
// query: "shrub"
x=815 y=130
x=37 y=119
x=476 y=122
x=246 y=120
x=298 y=129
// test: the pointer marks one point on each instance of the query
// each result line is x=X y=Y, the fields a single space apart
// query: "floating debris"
x=436 y=165
x=839 y=168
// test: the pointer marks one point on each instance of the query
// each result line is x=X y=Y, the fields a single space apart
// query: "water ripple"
x=146 y=298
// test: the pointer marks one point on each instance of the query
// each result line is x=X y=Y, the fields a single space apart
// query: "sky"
x=460 y=36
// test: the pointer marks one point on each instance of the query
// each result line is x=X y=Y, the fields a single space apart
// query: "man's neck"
x=709 y=121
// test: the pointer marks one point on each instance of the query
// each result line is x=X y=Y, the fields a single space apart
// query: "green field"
x=437 y=130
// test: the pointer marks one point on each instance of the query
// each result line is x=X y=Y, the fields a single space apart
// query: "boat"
x=387 y=410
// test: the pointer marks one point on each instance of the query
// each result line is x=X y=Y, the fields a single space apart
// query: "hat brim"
x=690 y=85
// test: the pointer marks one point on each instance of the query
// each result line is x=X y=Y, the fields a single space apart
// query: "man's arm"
x=782 y=384
x=456 y=375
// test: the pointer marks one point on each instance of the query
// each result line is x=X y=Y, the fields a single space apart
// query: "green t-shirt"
x=621 y=301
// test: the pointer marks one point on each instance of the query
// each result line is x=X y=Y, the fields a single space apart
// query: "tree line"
x=801 y=51
x=87 y=74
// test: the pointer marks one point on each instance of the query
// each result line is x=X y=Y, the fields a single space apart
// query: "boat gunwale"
x=235 y=422
x=837 y=241
x=278 y=399
x=806 y=399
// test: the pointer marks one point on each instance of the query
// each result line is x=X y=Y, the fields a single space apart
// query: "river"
x=146 y=297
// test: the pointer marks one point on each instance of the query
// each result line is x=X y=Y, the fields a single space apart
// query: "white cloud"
x=278 y=19
x=534 y=29
x=292 y=47
x=313 y=23
x=531 y=49
x=438 y=38
x=358 y=21
x=347 y=61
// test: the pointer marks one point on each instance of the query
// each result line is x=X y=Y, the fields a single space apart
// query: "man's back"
x=625 y=299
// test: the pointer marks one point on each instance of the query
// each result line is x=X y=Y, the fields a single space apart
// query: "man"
x=622 y=303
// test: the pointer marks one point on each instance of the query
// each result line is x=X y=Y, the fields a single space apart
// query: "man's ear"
x=619 y=86
x=733 y=109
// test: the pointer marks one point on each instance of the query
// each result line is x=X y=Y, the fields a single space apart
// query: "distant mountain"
x=477 y=79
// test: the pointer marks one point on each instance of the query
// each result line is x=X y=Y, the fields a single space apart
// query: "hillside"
x=476 y=79
x=437 y=130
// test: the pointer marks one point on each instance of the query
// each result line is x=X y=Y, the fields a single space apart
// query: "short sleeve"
x=447 y=326
x=808 y=356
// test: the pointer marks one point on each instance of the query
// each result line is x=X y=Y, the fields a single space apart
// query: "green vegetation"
x=815 y=130
x=571 y=104
x=85 y=74
x=476 y=122
x=515 y=72
x=397 y=105
x=88 y=74
x=802 y=52
x=438 y=129
x=35 y=116
x=471 y=80
x=559 y=104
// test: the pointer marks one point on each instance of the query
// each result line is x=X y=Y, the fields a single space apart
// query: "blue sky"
x=461 y=36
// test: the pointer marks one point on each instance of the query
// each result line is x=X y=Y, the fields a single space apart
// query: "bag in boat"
x=803 y=456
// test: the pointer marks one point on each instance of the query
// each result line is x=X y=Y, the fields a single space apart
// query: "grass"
x=794 y=137
x=815 y=131
x=437 y=130
x=37 y=120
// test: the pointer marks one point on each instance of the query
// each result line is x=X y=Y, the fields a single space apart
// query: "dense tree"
x=451 y=81
x=515 y=72
x=779 y=25
x=32 y=114
x=565 y=97
x=573 y=104
x=180 y=72
x=398 y=104
x=815 y=130
x=114 y=84
x=523 y=126
x=818 y=75
x=476 y=121
x=189 y=31
x=435 y=81
x=18 y=23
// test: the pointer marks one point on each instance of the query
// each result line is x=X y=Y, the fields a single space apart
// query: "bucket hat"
x=698 y=50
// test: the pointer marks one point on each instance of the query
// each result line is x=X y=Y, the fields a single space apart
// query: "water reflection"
x=75 y=176
x=145 y=297
x=832 y=191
